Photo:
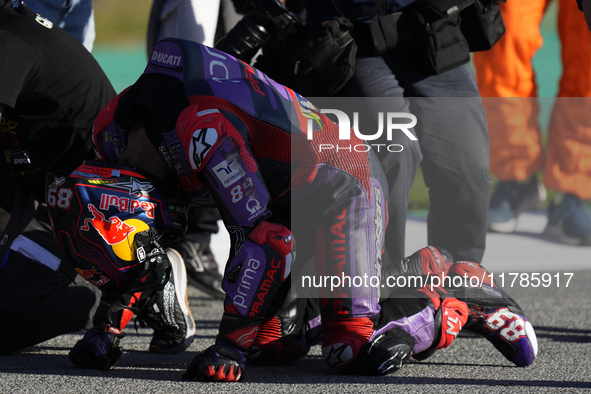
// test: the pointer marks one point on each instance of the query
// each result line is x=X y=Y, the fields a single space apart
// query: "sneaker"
x=567 y=221
x=168 y=312
x=202 y=268
x=509 y=200
x=496 y=316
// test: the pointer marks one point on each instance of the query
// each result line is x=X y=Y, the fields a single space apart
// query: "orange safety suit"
x=506 y=75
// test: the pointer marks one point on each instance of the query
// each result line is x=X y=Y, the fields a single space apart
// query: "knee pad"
x=253 y=276
x=287 y=336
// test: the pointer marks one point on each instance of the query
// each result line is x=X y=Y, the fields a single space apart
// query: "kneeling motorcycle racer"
x=222 y=133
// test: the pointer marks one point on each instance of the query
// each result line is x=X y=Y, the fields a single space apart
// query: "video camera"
x=252 y=32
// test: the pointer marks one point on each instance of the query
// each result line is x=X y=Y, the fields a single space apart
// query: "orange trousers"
x=506 y=80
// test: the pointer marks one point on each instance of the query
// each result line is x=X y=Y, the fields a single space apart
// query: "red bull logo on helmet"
x=114 y=231
x=125 y=204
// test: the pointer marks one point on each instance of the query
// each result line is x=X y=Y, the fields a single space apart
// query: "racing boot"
x=492 y=313
x=451 y=315
x=495 y=315
x=167 y=311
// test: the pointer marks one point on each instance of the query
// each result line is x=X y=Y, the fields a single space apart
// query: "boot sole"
x=180 y=287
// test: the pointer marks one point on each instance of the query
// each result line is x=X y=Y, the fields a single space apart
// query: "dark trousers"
x=63 y=310
x=38 y=303
x=452 y=150
x=202 y=223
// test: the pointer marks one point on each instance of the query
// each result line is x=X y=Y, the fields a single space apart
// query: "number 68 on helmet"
x=108 y=219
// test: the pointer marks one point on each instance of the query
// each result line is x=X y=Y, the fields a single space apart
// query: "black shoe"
x=568 y=222
x=168 y=312
x=509 y=200
x=202 y=268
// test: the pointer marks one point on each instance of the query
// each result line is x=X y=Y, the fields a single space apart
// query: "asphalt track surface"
x=560 y=315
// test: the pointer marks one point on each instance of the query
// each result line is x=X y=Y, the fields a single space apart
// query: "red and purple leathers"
x=232 y=137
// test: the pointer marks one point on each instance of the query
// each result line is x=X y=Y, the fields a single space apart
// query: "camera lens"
x=245 y=39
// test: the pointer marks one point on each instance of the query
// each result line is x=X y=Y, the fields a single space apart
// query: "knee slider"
x=351 y=346
x=343 y=339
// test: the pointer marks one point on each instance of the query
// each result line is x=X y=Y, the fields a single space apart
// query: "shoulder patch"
x=201 y=142
x=229 y=171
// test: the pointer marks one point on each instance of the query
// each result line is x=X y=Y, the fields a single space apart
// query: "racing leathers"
x=231 y=136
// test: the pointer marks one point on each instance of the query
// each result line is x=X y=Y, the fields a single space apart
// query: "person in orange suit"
x=506 y=80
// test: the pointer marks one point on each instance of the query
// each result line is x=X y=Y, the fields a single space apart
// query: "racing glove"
x=97 y=349
x=218 y=363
